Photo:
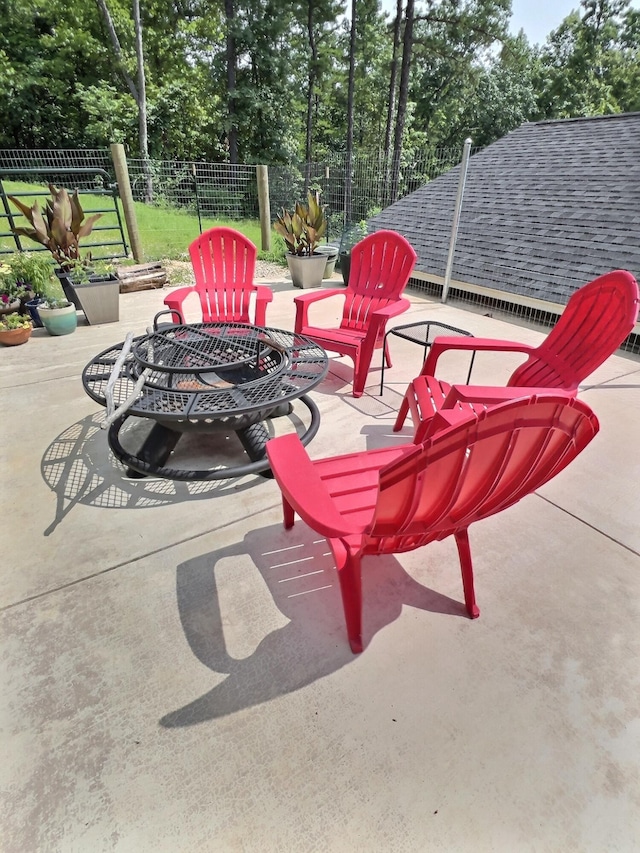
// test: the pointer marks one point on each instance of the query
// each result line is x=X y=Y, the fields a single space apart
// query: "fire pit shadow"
x=79 y=467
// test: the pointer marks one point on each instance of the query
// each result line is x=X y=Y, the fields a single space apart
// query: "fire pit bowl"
x=206 y=376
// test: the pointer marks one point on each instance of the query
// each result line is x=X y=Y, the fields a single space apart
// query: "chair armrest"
x=264 y=296
x=380 y=316
x=490 y=394
x=392 y=309
x=176 y=297
x=304 y=489
x=303 y=301
x=470 y=344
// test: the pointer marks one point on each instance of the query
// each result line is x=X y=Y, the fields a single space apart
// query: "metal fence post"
x=456 y=217
x=194 y=172
x=264 y=206
x=126 y=196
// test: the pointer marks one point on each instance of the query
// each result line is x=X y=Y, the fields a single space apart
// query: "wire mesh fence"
x=369 y=190
x=214 y=191
x=177 y=200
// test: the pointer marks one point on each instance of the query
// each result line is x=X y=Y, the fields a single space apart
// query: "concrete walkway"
x=175 y=669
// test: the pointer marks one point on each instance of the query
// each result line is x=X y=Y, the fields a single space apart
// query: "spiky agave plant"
x=303 y=229
x=60 y=227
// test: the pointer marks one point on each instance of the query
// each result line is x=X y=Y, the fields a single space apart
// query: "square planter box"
x=99 y=299
x=307 y=270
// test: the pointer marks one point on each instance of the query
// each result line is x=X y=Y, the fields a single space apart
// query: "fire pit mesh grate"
x=210 y=372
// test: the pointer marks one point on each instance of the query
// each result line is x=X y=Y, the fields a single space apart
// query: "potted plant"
x=9 y=299
x=57 y=313
x=351 y=235
x=302 y=231
x=59 y=228
x=59 y=316
x=14 y=329
x=26 y=275
x=13 y=292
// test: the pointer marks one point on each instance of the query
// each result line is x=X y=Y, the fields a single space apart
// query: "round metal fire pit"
x=208 y=376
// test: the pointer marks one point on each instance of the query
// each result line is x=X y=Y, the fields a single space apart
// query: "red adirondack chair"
x=470 y=466
x=224 y=261
x=380 y=268
x=596 y=320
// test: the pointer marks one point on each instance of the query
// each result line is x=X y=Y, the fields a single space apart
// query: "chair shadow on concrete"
x=281 y=588
x=79 y=467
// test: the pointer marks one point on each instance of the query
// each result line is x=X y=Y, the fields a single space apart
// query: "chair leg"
x=387 y=354
x=288 y=513
x=464 y=552
x=361 y=365
x=350 y=577
x=402 y=413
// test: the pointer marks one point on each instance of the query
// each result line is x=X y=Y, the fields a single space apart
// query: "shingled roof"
x=546 y=209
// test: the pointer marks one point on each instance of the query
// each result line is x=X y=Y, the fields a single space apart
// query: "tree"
x=351 y=86
x=138 y=92
x=579 y=61
x=485 y=99
x=319 y=27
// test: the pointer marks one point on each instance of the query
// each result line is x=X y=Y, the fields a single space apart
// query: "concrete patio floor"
x=175 y=669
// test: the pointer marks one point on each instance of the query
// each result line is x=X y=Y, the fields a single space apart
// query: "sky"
x=536 y=17
x=539 y=17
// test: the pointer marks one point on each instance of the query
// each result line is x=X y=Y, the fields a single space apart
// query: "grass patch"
x=164 y=232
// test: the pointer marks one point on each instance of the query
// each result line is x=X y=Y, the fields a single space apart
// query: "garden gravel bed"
x=180 y=272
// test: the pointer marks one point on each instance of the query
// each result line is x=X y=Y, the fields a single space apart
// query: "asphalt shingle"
x=546 y=208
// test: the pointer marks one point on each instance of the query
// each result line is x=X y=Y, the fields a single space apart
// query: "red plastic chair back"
x=597 y=319
x=471 y=470
x=381 y=265
x=224 y=262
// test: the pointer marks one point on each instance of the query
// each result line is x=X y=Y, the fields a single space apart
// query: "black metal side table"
x=423 y=333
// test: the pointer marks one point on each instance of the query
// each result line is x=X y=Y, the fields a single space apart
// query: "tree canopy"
x=274 y=80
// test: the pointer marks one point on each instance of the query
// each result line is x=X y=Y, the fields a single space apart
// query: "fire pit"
x=205 y=376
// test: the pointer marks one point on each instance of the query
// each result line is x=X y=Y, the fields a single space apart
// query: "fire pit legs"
x=254 y=439
x=156 y=449
x=161 y=444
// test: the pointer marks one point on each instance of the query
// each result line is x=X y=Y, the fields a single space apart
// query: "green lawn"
x=164 y=233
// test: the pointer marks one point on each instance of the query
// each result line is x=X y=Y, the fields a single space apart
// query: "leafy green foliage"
x=63 y=85
x=590 y=65
x=15 y=321
x=25 y=271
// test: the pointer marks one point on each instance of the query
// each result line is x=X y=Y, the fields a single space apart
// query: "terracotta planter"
x=13 y=337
